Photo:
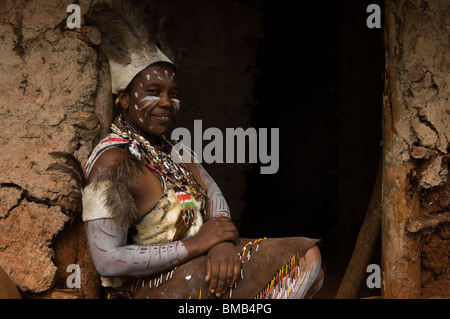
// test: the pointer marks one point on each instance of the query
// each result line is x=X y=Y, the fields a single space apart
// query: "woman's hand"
x=216 y=236
x=216 y=230
x=222 y=267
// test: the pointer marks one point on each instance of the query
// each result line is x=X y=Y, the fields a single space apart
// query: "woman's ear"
x=124 y=99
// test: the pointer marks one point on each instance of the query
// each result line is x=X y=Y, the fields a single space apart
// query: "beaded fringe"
x=246 y=251
x=283 y=282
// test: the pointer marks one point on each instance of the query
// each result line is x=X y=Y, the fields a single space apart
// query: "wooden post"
x=400 y=249
x=368 y=237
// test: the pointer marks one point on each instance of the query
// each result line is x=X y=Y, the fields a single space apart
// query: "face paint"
x=154 y=87
x=164 y=77
x=167 y=79
x=150 y=103
x=176 y=104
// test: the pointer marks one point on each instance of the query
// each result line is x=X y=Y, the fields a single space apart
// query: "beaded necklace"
x=160 y=161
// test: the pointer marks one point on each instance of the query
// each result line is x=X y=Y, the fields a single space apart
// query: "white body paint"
x=113 y=257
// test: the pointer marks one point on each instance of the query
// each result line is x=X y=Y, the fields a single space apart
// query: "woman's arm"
x=113 y=257
x=217 y=204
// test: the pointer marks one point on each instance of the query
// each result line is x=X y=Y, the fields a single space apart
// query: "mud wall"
x=49 y=82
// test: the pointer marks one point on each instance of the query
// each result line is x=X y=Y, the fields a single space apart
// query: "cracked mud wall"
x=49 y=84
x=56 y=97
x=416 y=149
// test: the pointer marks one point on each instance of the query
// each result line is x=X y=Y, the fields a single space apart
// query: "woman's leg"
x=311 y=275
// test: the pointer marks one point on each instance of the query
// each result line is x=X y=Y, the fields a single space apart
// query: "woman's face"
x=152 y=102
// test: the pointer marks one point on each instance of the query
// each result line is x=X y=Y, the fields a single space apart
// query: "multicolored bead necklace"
x=160 y=161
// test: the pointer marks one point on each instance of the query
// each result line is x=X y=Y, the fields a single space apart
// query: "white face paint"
x=150 y=103
x=176 y=104
x=165 y=77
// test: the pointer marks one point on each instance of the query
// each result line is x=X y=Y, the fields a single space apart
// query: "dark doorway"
x=321 y=83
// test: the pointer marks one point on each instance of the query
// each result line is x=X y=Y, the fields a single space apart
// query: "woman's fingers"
x=208 y=270
x=222 y=268
x=213 y=275
x=236 y=273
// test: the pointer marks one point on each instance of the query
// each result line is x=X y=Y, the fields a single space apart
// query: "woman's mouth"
x=162 y=117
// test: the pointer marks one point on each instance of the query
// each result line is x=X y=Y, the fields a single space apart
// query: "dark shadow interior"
x=321 y=82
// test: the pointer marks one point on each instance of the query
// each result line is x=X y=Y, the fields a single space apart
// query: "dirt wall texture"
x=417 y=120
x=56 y=97
x=49 y=83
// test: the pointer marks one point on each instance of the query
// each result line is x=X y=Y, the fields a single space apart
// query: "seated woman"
x=159 y=227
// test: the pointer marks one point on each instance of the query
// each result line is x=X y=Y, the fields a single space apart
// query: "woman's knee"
x=313 y=255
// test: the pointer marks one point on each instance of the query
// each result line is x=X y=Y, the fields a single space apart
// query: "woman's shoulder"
x=111 y=156
x=110 y=151
x=108 y=148
x=108 y=159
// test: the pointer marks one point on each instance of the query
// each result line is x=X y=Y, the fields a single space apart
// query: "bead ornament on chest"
x=158 y=158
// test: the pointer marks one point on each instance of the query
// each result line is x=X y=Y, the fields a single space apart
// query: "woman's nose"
x=165 y=100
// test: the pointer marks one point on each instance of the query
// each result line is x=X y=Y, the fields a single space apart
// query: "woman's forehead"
x=156 y=75
x=162 y=73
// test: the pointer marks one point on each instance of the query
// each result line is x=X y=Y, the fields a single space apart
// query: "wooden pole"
x=400 y=248
x=366 y=242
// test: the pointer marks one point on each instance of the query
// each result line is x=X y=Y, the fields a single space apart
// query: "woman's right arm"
x=113 y=257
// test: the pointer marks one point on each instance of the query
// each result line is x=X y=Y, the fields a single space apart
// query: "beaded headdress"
x=126 y=40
